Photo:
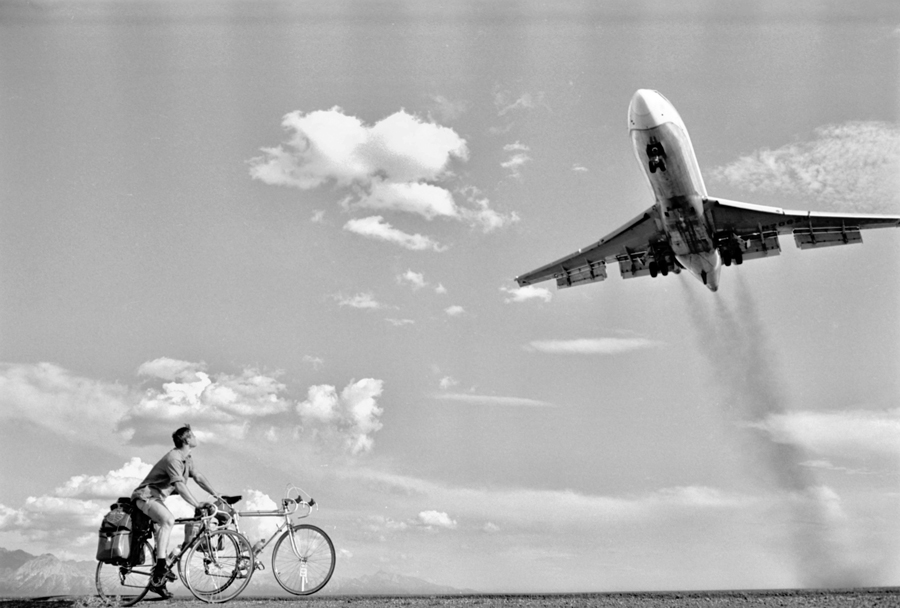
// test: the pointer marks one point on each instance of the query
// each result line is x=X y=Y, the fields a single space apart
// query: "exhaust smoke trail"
x=744 y=366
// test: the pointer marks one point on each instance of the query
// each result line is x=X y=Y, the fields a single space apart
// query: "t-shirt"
x=160 y=481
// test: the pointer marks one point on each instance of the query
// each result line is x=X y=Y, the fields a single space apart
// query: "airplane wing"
x=629 y=245
x=753 y=230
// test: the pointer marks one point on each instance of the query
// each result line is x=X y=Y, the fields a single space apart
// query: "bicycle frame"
x=289 y=506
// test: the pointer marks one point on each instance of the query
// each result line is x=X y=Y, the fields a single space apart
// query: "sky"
x=296 y=226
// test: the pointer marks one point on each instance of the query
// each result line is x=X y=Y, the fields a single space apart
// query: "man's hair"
x=180 y=436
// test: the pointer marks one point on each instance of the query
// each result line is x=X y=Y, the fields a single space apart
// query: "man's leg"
x=165 y=521
x=161 y=516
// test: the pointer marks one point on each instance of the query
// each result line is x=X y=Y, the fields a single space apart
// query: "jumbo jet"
x=685 y=227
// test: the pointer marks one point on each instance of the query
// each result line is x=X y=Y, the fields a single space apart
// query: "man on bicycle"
x=169 y=476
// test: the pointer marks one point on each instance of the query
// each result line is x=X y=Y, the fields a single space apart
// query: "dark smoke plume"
x=745 y=369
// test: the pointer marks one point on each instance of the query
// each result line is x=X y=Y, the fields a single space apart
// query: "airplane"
x=686 y=228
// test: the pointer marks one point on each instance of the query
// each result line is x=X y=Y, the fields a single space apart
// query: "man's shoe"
x=162 y=591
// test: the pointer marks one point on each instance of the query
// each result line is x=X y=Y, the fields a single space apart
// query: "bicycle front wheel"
x=125 y=585
x=304 y=566
x=218 y=565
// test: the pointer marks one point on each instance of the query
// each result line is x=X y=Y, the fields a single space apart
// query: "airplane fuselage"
x=664 y=150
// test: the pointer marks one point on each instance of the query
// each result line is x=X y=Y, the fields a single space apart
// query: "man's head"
x=184 y=437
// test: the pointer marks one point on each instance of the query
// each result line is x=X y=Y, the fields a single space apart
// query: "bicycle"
x=208 y=565
x=303 y=557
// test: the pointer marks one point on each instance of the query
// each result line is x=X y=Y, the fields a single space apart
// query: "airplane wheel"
x=654 y=269
x=738 y=257
x=664 y=270
x=703 y=277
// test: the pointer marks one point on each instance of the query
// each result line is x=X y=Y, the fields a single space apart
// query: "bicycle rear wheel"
x=306 y=570
x=125 y=585
x=218 y=565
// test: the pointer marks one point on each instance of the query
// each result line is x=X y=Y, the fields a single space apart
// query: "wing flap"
x=588 y=265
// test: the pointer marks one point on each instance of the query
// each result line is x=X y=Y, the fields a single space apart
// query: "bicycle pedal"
x=258 y=565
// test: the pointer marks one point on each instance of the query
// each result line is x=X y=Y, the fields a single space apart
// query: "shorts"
x=142 y=497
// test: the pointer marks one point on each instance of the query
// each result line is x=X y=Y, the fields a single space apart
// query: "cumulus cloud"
x=523 y=294
x=351 y=416
x=436 y=519
x=455 y=310
x=256 y=528
x=223 y=406
x=374 y=227
x=480 y=214
x=119 y=482
x=361 y=300
x=590 y=346
x=849 y=167
x=400 y=164
x=414 y=279
x=448 y=382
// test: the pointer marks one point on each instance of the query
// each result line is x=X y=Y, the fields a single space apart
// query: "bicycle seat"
x=230 y=500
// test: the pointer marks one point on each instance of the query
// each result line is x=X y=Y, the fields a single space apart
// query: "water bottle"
x=259 y=545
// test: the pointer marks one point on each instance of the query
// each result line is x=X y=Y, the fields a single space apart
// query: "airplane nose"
x=639 y=103
x=649 y=109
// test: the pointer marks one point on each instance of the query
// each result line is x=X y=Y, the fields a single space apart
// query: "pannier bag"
x=114 y=546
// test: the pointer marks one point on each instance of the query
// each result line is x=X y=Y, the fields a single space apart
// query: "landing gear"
x=661 y=265
x=656 y=155
x=731 y=251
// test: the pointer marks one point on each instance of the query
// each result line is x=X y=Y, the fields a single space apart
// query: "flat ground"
x=857 y=598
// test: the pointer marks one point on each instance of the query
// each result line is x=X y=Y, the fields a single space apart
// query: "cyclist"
x=169 y=476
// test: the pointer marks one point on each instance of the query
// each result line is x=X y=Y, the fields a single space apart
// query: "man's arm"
x=185 y=493
x=203 y=482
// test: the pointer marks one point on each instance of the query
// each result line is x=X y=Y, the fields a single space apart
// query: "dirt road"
x=855 y=598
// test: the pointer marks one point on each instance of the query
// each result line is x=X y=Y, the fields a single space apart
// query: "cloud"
x=529 y=292
x=436 y=519
x=854 y=166
x=399 y=164
x=255 y=528
x=415 y=279
x=446 y=109
x=855 y=434
x=119 y=482
x=489 y=399
x=579 y=168
x=586 y=346
x=365 y=301
x=455 y=310
x=479 y=213
x=400 y=322
x=353 y=415
x=427 y=200
x=503 y=101
x=517 y=160
x=171 y=369
x=376 y=228
x=448 y=382
x=223 y=407
x=81 y=409
x=317 y=362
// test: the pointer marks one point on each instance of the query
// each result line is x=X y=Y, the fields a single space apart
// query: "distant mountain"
x=384 y=583
x=12 y=560
x=24 y=575
x=47 y=575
